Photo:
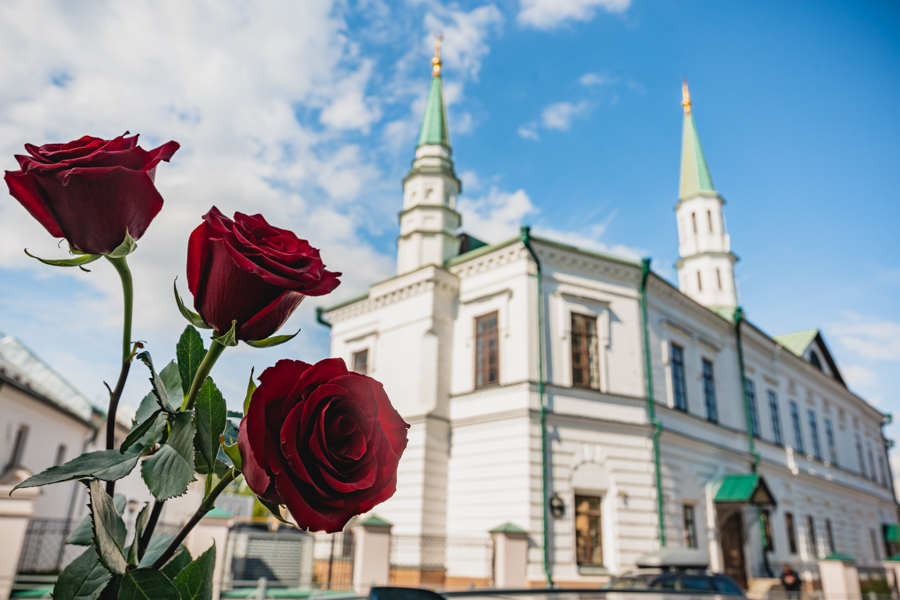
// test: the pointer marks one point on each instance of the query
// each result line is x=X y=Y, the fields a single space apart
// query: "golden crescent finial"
x=685 y=97
x=436 y=61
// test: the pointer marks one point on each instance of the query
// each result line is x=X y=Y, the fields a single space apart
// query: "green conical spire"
x=434 y=125
x=695 y=178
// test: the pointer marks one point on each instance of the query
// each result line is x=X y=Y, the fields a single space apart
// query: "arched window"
x=694 y=222
x=709 y=218
x=699 y=282
x=814 y=359
x=719 y=278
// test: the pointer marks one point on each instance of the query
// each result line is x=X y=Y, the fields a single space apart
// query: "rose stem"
x=212 y=355
x=207 y=505
x=151 y=525
x=121 y=267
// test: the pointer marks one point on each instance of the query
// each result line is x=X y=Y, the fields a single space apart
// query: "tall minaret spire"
x=706 y=267
x=429 y=221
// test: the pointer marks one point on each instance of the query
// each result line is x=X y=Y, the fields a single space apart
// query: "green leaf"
x=275 y=509
x=209 y=415
x=192 y=317
x=229 y=437
x=177 y=563
x=147 y=584
x=157 y=383
x=190 y=352
x=196 y=581
x=80 y=261
x=140 y=524
x=229 y=338
x=109 y=529
x=147 y=407
x=83 y=534
x=234 y=454
x=125 y=248
x=275 y=340
x=158 y=544
x=221 y=468
x=169 y=471
x=171 y=378
x=138 y=432
x=108 y=465
x=83 y=579
x=251 y=387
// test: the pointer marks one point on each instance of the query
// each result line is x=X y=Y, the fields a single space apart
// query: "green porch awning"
x=892 y=533
x=749 y=487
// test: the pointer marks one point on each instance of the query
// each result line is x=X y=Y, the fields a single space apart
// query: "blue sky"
x=563 y=115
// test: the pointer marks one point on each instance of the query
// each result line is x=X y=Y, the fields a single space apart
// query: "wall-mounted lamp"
x=557 y=506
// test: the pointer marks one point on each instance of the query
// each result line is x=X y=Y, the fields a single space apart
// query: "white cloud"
x=858 y=376
x=559 y=116
x=595 y=79
x=549 y=14
x=870 y=338
x=465 y=35
x=529 y=131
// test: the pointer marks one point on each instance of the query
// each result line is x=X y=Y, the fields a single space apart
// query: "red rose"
x=321 y=440
x=90 y=191
x=247 y=271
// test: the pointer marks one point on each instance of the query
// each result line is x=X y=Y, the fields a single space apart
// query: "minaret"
x=706 y=267
x=429 y=221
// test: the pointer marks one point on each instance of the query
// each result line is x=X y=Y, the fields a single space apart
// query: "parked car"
x=675 y=569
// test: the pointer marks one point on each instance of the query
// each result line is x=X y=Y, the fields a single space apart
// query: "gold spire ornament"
x=685 y=97
x=436 y=61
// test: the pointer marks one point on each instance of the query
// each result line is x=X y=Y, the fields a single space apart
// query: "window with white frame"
x=588 y=531
x=776 y=419
x=585 y=352
x=690 y=526
x=709 y=392
x=679 y=391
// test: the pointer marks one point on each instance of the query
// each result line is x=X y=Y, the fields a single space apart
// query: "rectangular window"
x=798 y=434
x=884 y=477
x=859 y=455
x=776 y=420
x=871 y=463
x=585 y=359
x=679 y=393
x=814 y=435
x=791 y=532
x=767 y=529
x=829 y=535
x=709 y=220
x=60 y=455
x=811 y=535
x=18 y=453
x=690 y=527
x=709 y=392
x=829 y=439
x=588 y=532
x=751 y=405
x=874 y=538
x=487 y=350
x=361 y=361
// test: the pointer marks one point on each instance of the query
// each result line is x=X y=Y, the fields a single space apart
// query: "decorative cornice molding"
x=490 y=260
x=436 y=282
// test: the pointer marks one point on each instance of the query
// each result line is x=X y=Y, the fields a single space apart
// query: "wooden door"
x=731 y=533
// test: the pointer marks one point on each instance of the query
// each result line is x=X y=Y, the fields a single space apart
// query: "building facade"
x=589 y=402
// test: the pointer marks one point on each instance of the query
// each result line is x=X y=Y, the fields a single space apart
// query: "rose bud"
x=323 y=441
x=247 y=271
x=90 y=191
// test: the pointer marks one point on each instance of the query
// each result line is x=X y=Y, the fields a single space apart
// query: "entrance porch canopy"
x=744 y=488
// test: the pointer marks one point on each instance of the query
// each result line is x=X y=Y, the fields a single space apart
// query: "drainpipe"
x=754 y=465
x=526 y=241
x=651 y=407
x=319 y=319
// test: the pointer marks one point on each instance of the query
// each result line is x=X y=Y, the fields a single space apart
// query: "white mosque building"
x=587 y=401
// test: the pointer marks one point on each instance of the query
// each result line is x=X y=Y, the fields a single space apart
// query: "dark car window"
x=696 y=582
x=727 y=586
x=622 y=583
x=664 y=583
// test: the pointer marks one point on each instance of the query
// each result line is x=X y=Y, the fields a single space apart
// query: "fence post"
x=212 y=529
x=510 y=556
x=840 y=579
x=15 y=513
x=892 y=570
x=372 y=555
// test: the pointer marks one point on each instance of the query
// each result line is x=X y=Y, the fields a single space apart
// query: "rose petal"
x=25 y=188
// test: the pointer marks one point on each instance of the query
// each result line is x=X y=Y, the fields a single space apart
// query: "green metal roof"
x=695 y=178
x=797 y=342
x=219 y=513
x=840 y=557
x=747 y=487
x=892 y=533
x=434 y=126
x=508 y=528
x=376 y=521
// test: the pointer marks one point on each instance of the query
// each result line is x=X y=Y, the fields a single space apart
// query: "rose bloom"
x=90 y=191
x=321 y=440
x=247 y=271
